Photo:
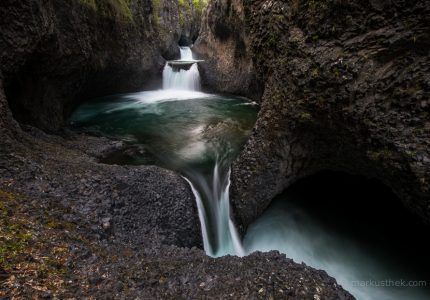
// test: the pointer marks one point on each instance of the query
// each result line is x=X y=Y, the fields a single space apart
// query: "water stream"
x=199 y=135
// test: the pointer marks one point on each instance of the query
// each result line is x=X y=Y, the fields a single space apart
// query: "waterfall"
x=182 y=74
x=219 y=233
x=186 y=54
x=211 y=191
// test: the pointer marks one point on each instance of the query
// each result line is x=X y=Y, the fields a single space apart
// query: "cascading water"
x=211 y=191
x=186 y=53
x=177 y=77
x=219 y=233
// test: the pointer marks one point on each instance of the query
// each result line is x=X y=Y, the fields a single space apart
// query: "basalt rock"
x=225 y=46
x=142 y=207
x=68 y=258
x=347 y=86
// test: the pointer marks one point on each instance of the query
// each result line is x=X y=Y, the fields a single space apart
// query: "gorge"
x=149 y=148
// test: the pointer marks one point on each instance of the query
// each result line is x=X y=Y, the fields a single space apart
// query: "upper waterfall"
x=178 y=78
x=186 y=53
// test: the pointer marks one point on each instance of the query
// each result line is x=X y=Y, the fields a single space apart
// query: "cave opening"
x=367 y=206
x=353 y=227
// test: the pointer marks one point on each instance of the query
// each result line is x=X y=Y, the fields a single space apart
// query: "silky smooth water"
x=181 y=130
x=353 y=228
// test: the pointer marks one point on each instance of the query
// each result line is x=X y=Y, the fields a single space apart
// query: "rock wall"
x=56 y=54
x=224 y=45
x=346 y=87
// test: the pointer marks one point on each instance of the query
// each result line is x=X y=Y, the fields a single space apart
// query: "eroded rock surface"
x=347 y=86
x=225 y=46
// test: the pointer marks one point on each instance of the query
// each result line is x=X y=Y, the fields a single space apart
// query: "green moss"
x=182 y=20
x=156 y=9
x=13 y=235
x=279 y=18
x=122 y=7
x=110 y=8
x=185 y=11
x=185 y=4
x=29 y=248
x=199 y=6
x=90 y=3
x=305 y=117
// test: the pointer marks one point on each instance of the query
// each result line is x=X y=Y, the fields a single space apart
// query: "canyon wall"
x=56 y=54
x=346 y=88
x=225 y=46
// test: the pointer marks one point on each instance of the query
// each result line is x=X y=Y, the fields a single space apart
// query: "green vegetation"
x=122 y=7
x=156 y=9
x=186 y=9
x=14 y=237
x=185 y=4
x=91 y=3
x=30 y=251
x=182 y=20
x=199 y=6
x=111 y=8
x=305 y=117
x=185 y=12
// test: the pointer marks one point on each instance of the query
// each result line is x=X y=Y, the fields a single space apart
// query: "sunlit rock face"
x=345 y=88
